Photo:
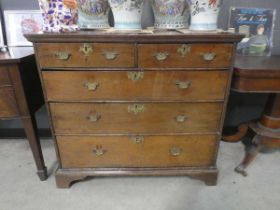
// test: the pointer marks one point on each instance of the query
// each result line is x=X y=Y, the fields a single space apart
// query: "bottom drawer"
x=8 y=105
x=136 y=151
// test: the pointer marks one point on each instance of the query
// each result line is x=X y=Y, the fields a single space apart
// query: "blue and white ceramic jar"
x=204 y=14
x=57 y=17
x=93 y=14
x=170 y=14
x=127 y=13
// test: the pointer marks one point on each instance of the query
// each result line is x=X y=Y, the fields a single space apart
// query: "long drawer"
x=135 y=85
x=8 y=105
x=4 y=77
x=185 y=55
x=136 y=151
x=127 y=118
x=86 y=55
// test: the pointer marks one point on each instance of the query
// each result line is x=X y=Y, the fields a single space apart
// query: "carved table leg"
x=267 y=133
x=30 y=127
x=251 y=153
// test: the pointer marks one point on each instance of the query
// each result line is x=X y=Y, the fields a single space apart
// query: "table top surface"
x=256 y=74
x=15 y=54
x=259 y=67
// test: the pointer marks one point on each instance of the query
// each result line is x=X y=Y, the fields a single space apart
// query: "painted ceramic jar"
x=204 y=14
x=59 y=15
x=170 y=14
x=93 y=14
x=127 y=13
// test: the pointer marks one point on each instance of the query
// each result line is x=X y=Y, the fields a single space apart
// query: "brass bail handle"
x=64 y=56
x=183 y=84
x=175 y=151
x=111 y=55
x=136 y=108
x=99 y=151
x=94 y=117
x=181 y=118
x=161 y=56
x=137 y=139
x=209 y=56
x=91 y=86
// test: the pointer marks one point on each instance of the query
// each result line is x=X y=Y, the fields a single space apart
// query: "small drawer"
x=185 y=55
x=137 y=151
x=8 y=105
x=4 y=77
x=86 y=55
x=135 y=85
x=127 y=118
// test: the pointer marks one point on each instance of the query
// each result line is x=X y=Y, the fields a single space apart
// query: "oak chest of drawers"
x=136 y=104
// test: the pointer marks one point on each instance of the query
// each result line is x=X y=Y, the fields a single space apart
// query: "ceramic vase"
x=57 y=17
x=93 y=14
x=204 y=14
x=170 y=14
x=127 y=13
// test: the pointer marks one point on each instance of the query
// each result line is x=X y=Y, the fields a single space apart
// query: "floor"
x=20 y=188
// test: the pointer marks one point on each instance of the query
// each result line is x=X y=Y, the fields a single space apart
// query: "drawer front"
x=135 y=85
x=4 y=77
x=126 y=118
x=86 y=55
x=131 y=151
x=8 y=105
x=185 y=56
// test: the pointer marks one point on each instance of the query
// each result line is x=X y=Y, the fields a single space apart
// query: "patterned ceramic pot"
x=93 y=14
x=171 y=14
x=204 y=14
x=57 y=17
x=127 y=13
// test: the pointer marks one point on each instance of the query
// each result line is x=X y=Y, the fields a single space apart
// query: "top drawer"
x=185 y=55
x=86 y=55
x=4 y=77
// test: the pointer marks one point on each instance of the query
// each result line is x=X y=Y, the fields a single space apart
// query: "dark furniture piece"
x=258 y=75
x=136 y=104
x=21 y=96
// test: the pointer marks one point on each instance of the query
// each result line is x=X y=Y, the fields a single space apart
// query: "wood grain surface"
x=120 y=85
x=115 y=118
x=154 y=151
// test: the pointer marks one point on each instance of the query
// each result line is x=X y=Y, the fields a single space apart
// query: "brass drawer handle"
x=137 y=139
x=136 y=108
x=183 y=84
x=64 y=56
x=91 y=86
x=181 y=118
x=184 y=50
x=86 y=49
x=209 y=56
x=99 y=151
x=176 y=151
x=135 y=76
x=111 y=55
x=161 y=56
x=94 y=117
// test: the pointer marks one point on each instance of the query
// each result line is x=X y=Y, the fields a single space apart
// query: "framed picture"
x=20 y=22
x=1 y=34
x=257 y=24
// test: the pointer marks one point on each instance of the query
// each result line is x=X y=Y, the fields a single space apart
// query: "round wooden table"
x=258 y=75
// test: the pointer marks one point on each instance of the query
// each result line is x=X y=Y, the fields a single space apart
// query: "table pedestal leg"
x=266 y=133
